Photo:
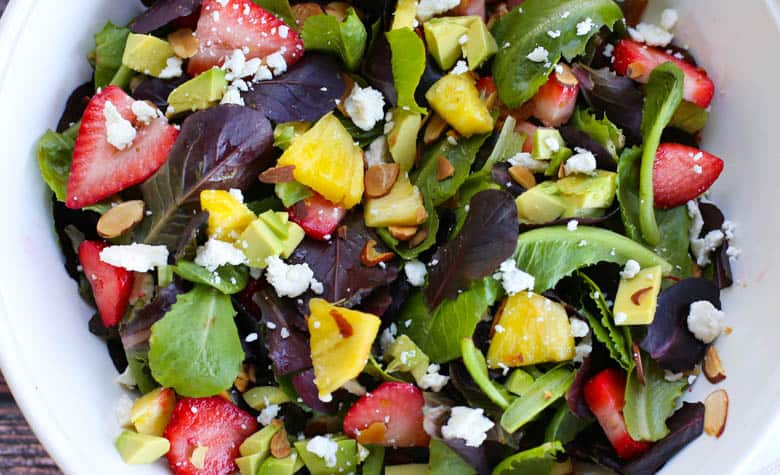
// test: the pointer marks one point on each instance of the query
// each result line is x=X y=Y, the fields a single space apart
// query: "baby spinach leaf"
x=603 y=324
x=280 y=8
x=346 y=39
x=601 y=130
x=472 y=256
x=439 y=332
x=219 y=148
x=564 y=426
x=444 y=461
x=227 y=279
x=536 y=461
x=521 y=31
x=664 y=95
x=163 y=12
x=109 y=48
x=475 y=363
x=552 y=253
x=408 y=62
x=543 y=392
x=649 y=403
x=195 y=348
x=305 y=93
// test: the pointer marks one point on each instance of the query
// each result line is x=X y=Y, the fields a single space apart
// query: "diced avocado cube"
x=259 y=242
x=295 y=235
x=261 y=396
x=346 y=457
x=147 y=54
x=275 y=466
x=480 y=45
x=286 y=132
x=547 y=141
x=408 y=469
x=402 y=140
x=152 y=411
x=541 y=204
x=519 y=382
x=201 y=92
x=443 y=40
x=137 y=449
x=588 y=195
x=405 y=13
x=636 y=298
x=405 y=356
x=250 y=464
x=275 y=222
x=284 y=216
x=259 y=442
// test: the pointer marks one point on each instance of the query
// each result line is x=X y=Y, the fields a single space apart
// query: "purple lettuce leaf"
x=75 y=106
x=712 y=216
x=163 y=12
x=307 y=390
x=305 y=93
x=135 y=331
x=721 y=273
x=488 y=238
x=157 y=90
x=668 y=339
x=574 y=137
x=190 y=237
x=377 y=69
x=500 y=174
x=592 y=364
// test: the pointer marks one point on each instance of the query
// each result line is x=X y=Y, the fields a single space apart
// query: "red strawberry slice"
x=469 y=8
x=604 y=394
x=212 y=422
x=638 y=61
x=99 y=169
x=391 y=415
x=681 y=173
x=486 y=86
x=111 y=286
x=529 y=130
x=554 y=103
x=317 y=216
x=228 y=25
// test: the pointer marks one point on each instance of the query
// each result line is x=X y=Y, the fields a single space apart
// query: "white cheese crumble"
x=377 y=152
x=365 y=106
x=672 y=377
x=650 y=34
x=216 y=253
x=433 y=380
x=609 y=49
x=119 y=131
x=705 y=321
x=415 y=272
x=427 y=9
x=144 y=112
x=572 y=225
x=583 y=162
x=702 y=248
x=582 y=350
x=324 y=448
x=468 y=424
x=268 y=414
x=631 y=269
x=460 y=67
x=669 y=19
x=539 y=55
x=463 y=39
x=579 y=329
x=513 y=279
x=554 y=33
x=172 y=68
x=126 y=379
x=135 y=257
x=585 y=26
x=263 y=74
x=620 y=318
x=232 y=96
x=284 y=31
x=237 y=194
x=289 y=280
x=387 y=338
x=276 y=63
x=552 y=143
x=124 y=407
x=525 y=160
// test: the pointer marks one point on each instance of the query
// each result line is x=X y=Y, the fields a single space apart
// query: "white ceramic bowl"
x=64 y=381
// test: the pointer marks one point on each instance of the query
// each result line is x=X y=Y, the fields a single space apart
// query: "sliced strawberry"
x=529 y=130
x=486 y=86
x=111 y=286
x=638 y=61
x=682 y=173
x=604 y=394
x=317 y=216
x=228 y=25
x=212 y=422
x=470 y=8
x=391 y=415
x=99 y=169
x=554 y=103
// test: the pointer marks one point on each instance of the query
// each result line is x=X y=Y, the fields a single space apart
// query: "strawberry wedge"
x=318 y=217
x=638 y=61
x=111 y=286
x=682 y=173
x=555 y=101
x=227 y=25
x=100 y=169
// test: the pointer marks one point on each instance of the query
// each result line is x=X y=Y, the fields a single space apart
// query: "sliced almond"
x=445 y=170
x=418 y=238
x=120 y=219
x=402 y=233
x=565 y=76
x=380 y=179
x=302 y=11
x=370 y=257
x=184 y=43
x=278 y=175
x=522 y=176
x=337 y=9
x=640 y=368
x=636 y=70
x=350 y=83
x=716 y=411
x=713 y=367
x=433 y=130
x=280 y=444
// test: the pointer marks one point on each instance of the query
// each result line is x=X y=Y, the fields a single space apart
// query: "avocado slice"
x=405 y=15
x=443 y=39
x=259 y=443
x=547 y=141
x=137 y=449
x=480 y=45
x=250 y=464
x=588 y=195
x=277 y=224
x=402 y=140
x=259 y=242
x=519 y=382
x=295 y=235
x=541 y=204
x=275 y=466
x=147 y=54
x=407 y=469
x=203 y=91
x=636 y=298
x=346 y=457
x=405 y=356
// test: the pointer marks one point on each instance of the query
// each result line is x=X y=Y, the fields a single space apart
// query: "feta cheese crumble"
x=583 y=162
x=135 y=257
x=460 y=67
x=620 y=318
x=216 y=253
x=276 y=63
x=572 y=225
x=579 y=329
x=631 y=269
x=415 y=272
x=268 y=414
x=144 y=112
x=705 y=321
x=525 y=160
x=433 y=380
x=427 y=9
x=582 y=350
x=119 y=131
x=468 y=424
x=702 y=248
x=289 y=280
x=513 y=279
x=539 y=55
x=123 y=409
x=585 y=26
x=669 y=19
x=650 y=34
x=324 y=448
x=172 y=68
x=365 y=107
x=387 y=337
x=377 y=151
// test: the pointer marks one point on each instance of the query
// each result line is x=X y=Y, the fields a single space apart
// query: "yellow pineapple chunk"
x=228 y=215
x=403 y=206
x=327 y=160
x=151 y=412
x=341 y=342
x=456 y=99
x=530 y=329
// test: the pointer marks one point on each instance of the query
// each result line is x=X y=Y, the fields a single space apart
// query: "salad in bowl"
x=397 y=237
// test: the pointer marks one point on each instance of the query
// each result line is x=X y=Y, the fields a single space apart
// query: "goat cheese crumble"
x=705 y=321
x=583 y=162
x=119 y=131
x=631 y=269
x=433 y=380
x=290 y=280
x=135 y=257
x=365 y=106
x=468 y=424
x=427 y=9
x=513 y=279
x=525 y=160
x=324 y=448
x=415 y=272
x=216 y=253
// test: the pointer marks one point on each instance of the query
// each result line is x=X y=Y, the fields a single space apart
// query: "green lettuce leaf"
x=536 y=461
x=552 y=253
x=601 y=130
x=439 y=332
x=664 y=95
x=476 y=365
x=109 y=48
x=604 y=328
x=522 y=30
x=444 y=461
x=227 y=279
x=195 y=348
x=408 y=63
x=291 y=192
x=543 y=392
x=280 y=8
x=564 y=425
x=362 y=137
x=649 y=405
x=346 y=39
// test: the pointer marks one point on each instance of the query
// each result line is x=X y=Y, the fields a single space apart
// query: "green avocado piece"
x=259 y=243
x=259 y=443
x=519 y=382
x=443 y=39
x=408 y=469
x=588 y=195
x=541 y=204
x=250 y=464
x=276 y=223
x=689 y=117
x=346 y=457
x=261 y=396
x=201 y=92
x=147 y=54
x=405 y=14
x=402 y=140
x=544 y=145
x=275 y=466
x=633 y=310
x=137 y=449
x=405 y=356
x=295 y=235
x=480 y=45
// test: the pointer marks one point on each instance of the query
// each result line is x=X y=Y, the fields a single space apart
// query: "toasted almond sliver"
x=402 y=233
x=445 y=170
x=380 y=179
x=120 y=219
x=433 y=129
x=640 y=368
x=713 y=366
x=418 y=238
x=370 y=257
x=522 y=176
x=278 y=175
x=302 y=11
x=716 y=411
x=280 y=444
x=337 y=9
x=184 y=43
x=566 y=77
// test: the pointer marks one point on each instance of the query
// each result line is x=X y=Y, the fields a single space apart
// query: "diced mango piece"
x=456 y=99
x=341 y=342
x=228 y=216
x=327 y=160
x=151 y=412
x=636 y=298
x=533 y=330
x=403 y=206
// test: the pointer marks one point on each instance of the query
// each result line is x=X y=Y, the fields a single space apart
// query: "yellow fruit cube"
x=456 y=99
x=228 y=215
x=403 y=206
x=637 y=297
x=341 y=342
x=530 y=329
x=327 y=160
x=151 y=412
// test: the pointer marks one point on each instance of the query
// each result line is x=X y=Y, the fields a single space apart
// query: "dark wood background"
x=20 y=452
